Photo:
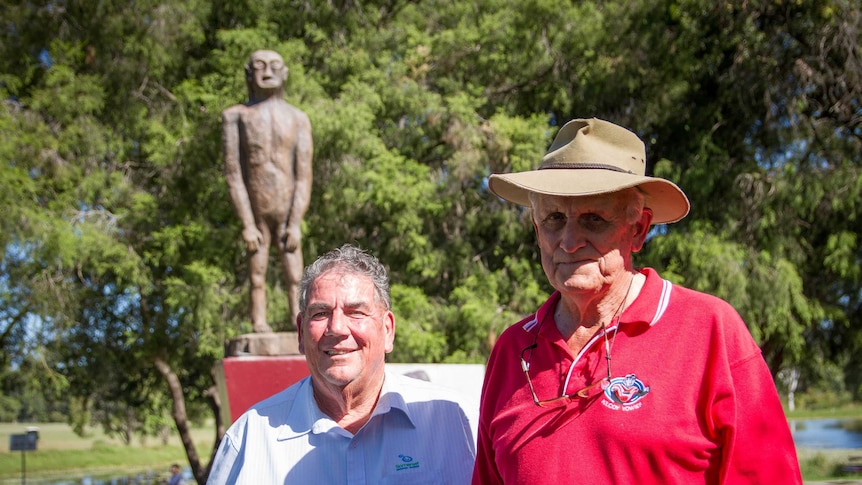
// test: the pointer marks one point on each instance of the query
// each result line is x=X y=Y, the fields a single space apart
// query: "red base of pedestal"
x=244 y=381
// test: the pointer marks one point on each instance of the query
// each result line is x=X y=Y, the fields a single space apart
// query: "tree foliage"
x=122 y=269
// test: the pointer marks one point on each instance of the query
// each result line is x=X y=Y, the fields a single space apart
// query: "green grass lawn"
x=62 y=454
x=823 y=465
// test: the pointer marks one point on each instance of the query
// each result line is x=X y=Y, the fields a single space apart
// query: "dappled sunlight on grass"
x=823 y=464
x=60 y=451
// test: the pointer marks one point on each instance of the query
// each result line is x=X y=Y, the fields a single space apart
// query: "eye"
x=358 y=313
x=593 y=221
x=318 y=315
x=554 y=220
x=258 y=65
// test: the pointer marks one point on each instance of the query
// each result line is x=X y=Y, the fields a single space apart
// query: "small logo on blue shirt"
x=406 y=463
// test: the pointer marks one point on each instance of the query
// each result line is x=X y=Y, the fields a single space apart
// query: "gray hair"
x=633 y=197
x=349 y=259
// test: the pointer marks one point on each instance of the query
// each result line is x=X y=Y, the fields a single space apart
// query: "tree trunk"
x=220 y=428
x=178 y=412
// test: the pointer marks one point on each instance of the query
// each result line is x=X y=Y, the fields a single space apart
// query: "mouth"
x=573 y=267
x=578 y=262
x=333 y=353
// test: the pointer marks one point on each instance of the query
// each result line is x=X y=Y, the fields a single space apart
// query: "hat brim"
x=667 y=201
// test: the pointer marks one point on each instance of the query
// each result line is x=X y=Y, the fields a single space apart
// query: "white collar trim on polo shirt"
x=663 y=302
x=529 y=326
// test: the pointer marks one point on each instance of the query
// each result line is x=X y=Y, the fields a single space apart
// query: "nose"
x=267 y=71
x=337 y=324
x=571 y=238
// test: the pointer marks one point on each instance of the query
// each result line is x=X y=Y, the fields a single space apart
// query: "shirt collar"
x=652 y=301
x=647 y=309
x=306 y=417
x=391 y=398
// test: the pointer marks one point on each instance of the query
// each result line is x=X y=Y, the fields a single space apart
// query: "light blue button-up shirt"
x=418 y=433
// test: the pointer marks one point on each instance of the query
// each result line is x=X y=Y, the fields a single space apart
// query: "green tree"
x=123 y=269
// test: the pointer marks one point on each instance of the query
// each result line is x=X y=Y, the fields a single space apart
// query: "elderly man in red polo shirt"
x=621 y=376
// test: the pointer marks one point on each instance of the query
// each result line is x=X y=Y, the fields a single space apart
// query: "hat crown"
x=592 y=157
x=596 y=144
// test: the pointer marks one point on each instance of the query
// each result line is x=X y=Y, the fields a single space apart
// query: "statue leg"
x=257 y=284
x=291 y=271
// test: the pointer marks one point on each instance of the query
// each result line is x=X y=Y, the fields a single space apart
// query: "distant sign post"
x=23 y=442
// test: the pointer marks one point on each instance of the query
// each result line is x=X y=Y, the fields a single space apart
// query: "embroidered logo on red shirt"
x=625 y=393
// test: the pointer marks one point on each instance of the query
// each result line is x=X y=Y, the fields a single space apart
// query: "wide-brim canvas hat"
x=591 y=157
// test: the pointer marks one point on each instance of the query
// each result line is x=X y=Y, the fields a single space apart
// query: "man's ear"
x=641 y=229
x=389 y=331
x=299 y=334
x=533 y=220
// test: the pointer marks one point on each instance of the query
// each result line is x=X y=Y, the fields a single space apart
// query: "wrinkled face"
x=586 y=242
x=345 y=333
x=267 y=69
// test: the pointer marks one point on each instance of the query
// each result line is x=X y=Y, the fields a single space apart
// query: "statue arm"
x=235 y=182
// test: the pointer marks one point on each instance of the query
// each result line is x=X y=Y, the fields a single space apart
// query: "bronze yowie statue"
x=267 y=162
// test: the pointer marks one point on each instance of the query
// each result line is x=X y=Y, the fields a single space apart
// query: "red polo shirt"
x=690 y=401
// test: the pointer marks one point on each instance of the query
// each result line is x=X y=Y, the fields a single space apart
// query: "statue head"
x=265 y=75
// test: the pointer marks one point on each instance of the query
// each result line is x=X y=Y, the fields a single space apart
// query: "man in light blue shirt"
x=350 y=421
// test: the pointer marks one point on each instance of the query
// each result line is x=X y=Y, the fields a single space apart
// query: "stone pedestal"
x=255 y=367
x=269 y=344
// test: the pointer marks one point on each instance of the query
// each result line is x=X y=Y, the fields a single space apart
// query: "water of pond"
x=825 y=433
